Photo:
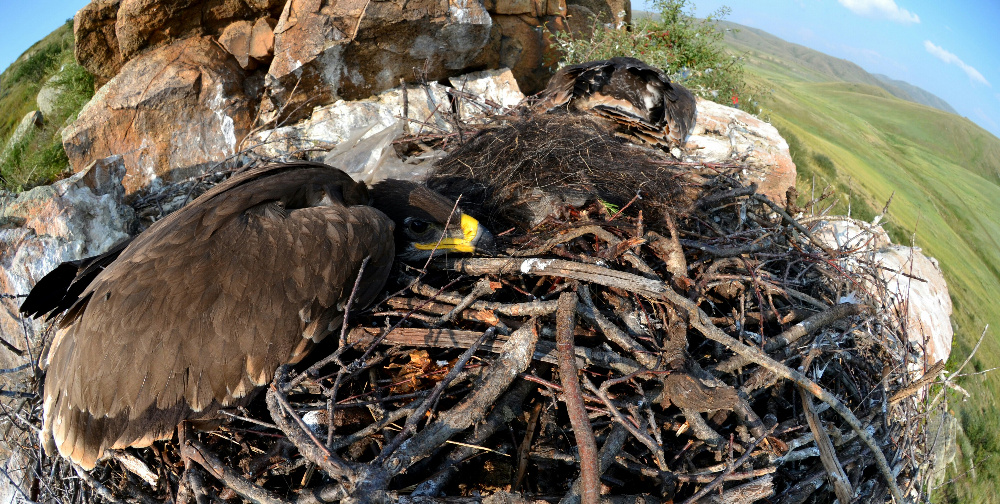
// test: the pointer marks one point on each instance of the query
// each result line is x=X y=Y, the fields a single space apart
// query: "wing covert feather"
x=172 y=330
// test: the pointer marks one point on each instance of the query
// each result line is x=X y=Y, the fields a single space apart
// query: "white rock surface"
x=74 y=218
x=725 y=134
x=913 y=282
x=357 y=136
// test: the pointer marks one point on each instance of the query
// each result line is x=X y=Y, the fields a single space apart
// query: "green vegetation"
x=690 y=50
x=864 y=144
x=38 y=157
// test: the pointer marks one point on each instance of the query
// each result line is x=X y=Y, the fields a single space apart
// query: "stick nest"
x=663 y=334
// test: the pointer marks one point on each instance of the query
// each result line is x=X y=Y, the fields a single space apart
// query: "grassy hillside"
x=917 y=94
x=945 y=174
x=809 y=64
x=38 y=158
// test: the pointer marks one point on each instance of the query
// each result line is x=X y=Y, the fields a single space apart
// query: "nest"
x=664 y=334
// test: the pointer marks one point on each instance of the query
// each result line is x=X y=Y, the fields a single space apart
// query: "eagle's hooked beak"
x=470 y=237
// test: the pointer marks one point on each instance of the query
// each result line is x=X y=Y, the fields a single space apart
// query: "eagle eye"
x=417 y=226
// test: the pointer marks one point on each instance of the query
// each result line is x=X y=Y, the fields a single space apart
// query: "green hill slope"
x=810 y=64
x=39 y=157
x=944 y=172
x=917 y=94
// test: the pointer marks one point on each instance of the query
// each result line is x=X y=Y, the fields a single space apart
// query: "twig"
x=729 y=469
x=194 y=450
x=589 y=475
x=841 y=485
x=920 y=383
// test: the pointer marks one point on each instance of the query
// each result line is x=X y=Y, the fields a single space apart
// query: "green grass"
x=39 y=158
x=943 y=173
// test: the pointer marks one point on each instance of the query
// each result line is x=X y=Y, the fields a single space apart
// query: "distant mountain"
x=918 y=94
x=816 y=66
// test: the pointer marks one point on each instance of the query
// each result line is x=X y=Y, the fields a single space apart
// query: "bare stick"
x=720 y=478
x=589 y=477
x=194 y=450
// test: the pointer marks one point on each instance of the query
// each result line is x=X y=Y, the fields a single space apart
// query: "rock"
x=942 y=430
x=28 y=124
x=427 y=107
x=496 y=89
x=616 y=13
x=236 y=39
x=525 y=47
x=170 y=113
x=111 y=32
x=96 y=46
x=148 y=23
x=47 y=96
x=332 y=124
x=352 y=50
x=80 y=216
x=911 y=280
x=262 y=40
x=723 y=134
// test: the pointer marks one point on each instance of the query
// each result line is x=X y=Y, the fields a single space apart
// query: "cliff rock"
x=171 y=113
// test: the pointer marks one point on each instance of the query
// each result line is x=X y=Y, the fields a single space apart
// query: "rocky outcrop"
x=908 y=282
x=170 y=114
x=352 y=50
x=96 y=46
x=357 y=135
x=724 y=134
x=78 y=217
x=109 y=33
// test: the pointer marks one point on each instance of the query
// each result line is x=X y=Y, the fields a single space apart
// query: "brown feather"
x=176 y=327
x=637 y=100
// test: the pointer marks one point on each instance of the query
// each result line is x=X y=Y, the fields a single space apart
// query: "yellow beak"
x=474 y=238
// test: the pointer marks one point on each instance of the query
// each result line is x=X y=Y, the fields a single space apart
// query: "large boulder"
x=357 y=136
x=354 y=49
x=96 y=47
x=909 y=283
x=29 y=123
x=170 y=113
x=111 y=32
x=77 y=217
x=725 y=134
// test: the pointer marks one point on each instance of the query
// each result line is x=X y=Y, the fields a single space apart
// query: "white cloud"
x=880 y=9
x=951 y=59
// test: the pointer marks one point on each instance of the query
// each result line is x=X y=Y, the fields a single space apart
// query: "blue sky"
x=24 y=23
x=950 y=48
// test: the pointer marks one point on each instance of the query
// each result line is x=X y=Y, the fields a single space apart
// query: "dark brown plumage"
x=199 y=310
x=637 y=99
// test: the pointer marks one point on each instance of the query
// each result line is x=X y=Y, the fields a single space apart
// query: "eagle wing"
x=202 y=308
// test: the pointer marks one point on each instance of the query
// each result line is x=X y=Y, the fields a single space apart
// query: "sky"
x=24 y=23
x=950 y=48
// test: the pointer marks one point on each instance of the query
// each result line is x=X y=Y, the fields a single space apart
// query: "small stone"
x=236 y=39
x=262 y=39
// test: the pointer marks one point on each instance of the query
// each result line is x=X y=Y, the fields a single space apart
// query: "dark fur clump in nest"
x=510 y=174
